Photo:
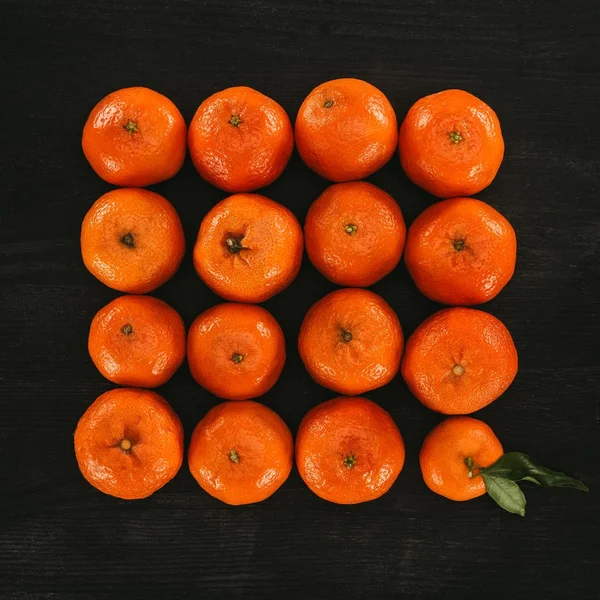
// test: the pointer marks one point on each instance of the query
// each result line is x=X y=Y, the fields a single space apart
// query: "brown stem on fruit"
x=455 y=137
x=349 y=461
x=127 y=239
x=458 y=370
x=346 y=336
x=131 y=127
x=235 y=120
x=350 y=229
x=328 y=104
x=125 y=445
x=237 y=358
x=459 y=245
x=127 y=329
x=234 y=244
x=234 y=457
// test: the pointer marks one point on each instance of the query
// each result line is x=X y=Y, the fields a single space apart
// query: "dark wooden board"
x=535 y=63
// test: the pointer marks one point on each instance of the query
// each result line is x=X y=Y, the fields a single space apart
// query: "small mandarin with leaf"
x=349 y=450
x=450 y=448
x=129 y=443
x=459 y=360
x=137 y=341
x=240 y=140
x=249 y=248
x=351 y=341
x=346 y=129
x=135 y=137
x=451 y=144
x=236 y=351
x=461 y=251
x=132 y=240
x=461 y=459
x=354 y=233
x=241 y=452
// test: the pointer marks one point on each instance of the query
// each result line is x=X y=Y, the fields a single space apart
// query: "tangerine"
x=351 y=341
x=346 y=129
x=137 y=341
x=249 y=248
x=241 y=452
x=240 y=140
x=459 y=360
x=135 y=137
x=451 y=144
x=129 y=443
x=349 y=450
x=236 y=351
x=132 y=240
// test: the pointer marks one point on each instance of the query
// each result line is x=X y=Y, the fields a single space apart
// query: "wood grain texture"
x=535 y=63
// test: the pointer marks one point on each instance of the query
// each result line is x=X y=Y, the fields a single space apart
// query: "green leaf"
x=517 y=466
x=506 y=493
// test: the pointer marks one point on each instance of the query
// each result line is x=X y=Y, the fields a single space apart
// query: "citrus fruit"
x=460 y=251
x=459 y=360
x=354 y=233
x=137 y=341
x=240 y=140
x=132 y=240
x=346 y=129
x=451 y=144
x=241 y=452
x=135 y=137
x=129 y=443
x=351 y=341
x=249 y=248
x=236 y=351
x=349 y=450
x=450 y=448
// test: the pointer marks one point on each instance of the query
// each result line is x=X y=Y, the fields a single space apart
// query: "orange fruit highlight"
x=240 y=140
x=129 y=443
x=459 y=360
x=132 y=240
x=351 y=341
x=241 y=452
x=349 y=450
x=346 y=129
x=354 y=233
x=451 y=144
x=135 y=137
x=461 y=251
x=447 y=449
x=249 y=248
x=137 y=341
x=236 y=351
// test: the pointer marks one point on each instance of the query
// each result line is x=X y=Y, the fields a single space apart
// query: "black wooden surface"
x=536 y=63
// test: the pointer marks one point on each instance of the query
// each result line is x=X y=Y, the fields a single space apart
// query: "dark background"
x=535 y=63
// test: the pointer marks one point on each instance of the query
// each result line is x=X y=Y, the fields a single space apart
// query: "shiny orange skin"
x=451 y=144
x=354 y=233
x=351 y=341
x=461 y=251
x=148 y=423
x=224 y=333
x=349 y=450
x=241 y=452
x=135 y=137
x=459 y=360
x=248 y=155
x=271 y=243
x=132 y=240
x=445 y=450
x=137 y=341
x=350 y=138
